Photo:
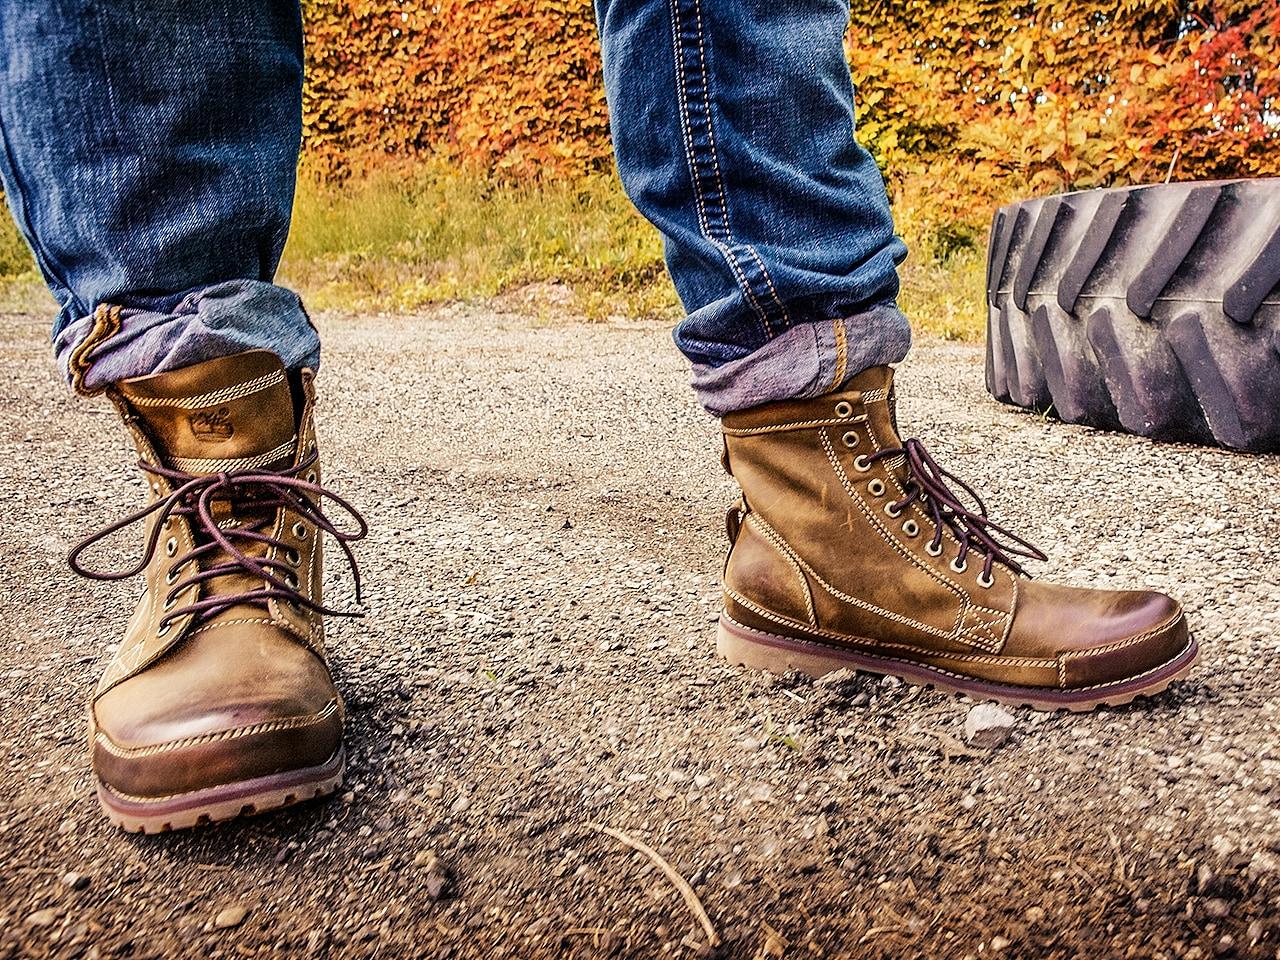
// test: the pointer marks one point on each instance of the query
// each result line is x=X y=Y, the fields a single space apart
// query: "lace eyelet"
x=843 y=409
x=171 y=546
x=959 y=566
x=300 y=530
x=169 y=603
x=172 y=576
x=850 y=439
x=888 y=508
x=911 y=528
x=292 y=556
x=311 y=476
x=163 y=628
x=876 y=487
x=291 y=580
x=933 y=551
x=861 y=464
x=985 y=581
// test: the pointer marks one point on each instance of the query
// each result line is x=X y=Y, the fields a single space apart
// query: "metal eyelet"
x=959 y=566
x=888 y=508
x=933 y=551
x=171 y=546
x=169 y=604
x=300 y=530
x=861 y=464
x=911 y=528
x=876 y=487
x=163 y=628
x=986 y=581
x=291 y=580
x=311 y=476
x=172 y=576
x=850 y=439
x=843 y=409
x=292 y=556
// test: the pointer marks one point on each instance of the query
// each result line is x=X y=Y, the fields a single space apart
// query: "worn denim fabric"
x=149 y=156
x=733 y=125
x=150 y=149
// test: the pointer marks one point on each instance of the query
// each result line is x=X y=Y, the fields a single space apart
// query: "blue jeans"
x=149 y=156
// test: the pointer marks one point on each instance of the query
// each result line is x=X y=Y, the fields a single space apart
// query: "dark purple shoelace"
x=250 y=490
x=927 y=485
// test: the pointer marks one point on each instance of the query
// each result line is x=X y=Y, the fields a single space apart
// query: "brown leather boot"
x=851 y=549
x=219 y=701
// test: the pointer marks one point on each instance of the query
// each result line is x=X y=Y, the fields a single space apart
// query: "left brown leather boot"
x=852 y=548
x=219 y=701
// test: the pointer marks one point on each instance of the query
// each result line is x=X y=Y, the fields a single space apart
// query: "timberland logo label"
x=212 y=425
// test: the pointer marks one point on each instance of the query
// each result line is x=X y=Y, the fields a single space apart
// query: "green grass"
x=405 y=240
x=21 y=289
x=399 y=242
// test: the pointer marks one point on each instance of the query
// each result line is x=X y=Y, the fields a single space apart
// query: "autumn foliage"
x=962 y=103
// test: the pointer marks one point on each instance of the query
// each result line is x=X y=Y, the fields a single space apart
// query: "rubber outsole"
x=756 y=650
x=224 y=802
x=1154 y=310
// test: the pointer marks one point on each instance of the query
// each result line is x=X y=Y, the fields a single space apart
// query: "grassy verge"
x=406 y=240
x=401 y=242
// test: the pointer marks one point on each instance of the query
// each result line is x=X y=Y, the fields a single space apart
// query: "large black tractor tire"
x=1154 y=310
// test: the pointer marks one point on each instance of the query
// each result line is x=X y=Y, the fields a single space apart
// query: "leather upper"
x=201 y=701
x=819 y=553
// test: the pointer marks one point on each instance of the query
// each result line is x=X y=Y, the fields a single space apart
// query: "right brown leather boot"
x=219 y=700
x=851 y=549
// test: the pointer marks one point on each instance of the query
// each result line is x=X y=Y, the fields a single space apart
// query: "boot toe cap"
x=192 y=722
x=1098 y=637
x=1150 y=645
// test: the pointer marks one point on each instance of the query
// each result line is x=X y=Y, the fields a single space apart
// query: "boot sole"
x=757 y=650
x=224 y=802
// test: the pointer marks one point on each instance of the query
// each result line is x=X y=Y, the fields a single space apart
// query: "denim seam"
x=47 y=262
x=842 y=355
x=715 y=161
x=723 y=243
x=700 y=201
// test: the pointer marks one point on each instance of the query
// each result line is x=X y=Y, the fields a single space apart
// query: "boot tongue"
x=232 y=413
x=876 y=387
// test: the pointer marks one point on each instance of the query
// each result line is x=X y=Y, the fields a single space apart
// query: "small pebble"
x=987 y=726
x=229 y=917
x=76 y=881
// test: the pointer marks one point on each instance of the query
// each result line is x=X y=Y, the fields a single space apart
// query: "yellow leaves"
x=1046 y=95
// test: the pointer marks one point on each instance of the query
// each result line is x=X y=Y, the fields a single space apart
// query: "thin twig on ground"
x=680 y=883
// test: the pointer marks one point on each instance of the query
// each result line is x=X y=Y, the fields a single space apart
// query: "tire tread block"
x=1236 y=384
x=1071 y=372
x=1202 y=366
x=1146 y=384
x=1172 y=250
x=1244 y=297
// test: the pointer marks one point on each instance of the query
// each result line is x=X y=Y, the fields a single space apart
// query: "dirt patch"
x=538 y=660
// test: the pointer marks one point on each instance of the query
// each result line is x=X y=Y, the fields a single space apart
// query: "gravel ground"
x=538 y=659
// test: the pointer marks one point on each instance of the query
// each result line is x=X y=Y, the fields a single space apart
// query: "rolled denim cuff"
x=808 y=360
x=153 y=335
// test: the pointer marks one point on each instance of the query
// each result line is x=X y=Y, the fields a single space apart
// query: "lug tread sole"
x=756 y=650
x=222 y=803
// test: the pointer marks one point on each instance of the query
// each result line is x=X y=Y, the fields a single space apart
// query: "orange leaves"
x=508 y=85
x=976 y=99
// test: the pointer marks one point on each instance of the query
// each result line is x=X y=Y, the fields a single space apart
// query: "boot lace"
x=254 y=489
x=926 y=485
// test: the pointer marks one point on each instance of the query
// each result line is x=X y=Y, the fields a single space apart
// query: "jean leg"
x=733 y=126
x=148 y=150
